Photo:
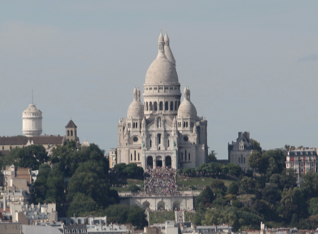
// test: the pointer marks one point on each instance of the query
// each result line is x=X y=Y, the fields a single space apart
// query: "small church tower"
x=71 y=131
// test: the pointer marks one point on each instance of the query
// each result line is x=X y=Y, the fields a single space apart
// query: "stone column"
x=154 y=161
x=163 y=162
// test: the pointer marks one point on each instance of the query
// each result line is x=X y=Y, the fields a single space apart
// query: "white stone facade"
x=161 y=131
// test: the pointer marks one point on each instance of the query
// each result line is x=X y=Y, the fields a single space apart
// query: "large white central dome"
x=162 y=70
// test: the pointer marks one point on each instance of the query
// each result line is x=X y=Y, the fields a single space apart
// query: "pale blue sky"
x=250 y=65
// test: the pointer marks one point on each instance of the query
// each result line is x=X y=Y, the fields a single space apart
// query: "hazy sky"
x=251 y=65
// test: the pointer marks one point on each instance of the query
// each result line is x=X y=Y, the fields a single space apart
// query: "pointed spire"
x=161 y=43
x=168 y=51
x=138 y=94
x=135 y=94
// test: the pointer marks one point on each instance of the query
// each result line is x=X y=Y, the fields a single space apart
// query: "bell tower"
x=71 y=131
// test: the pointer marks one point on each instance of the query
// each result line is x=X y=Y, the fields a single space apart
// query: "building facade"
x=302 y=160
x=162 y=131
x=240 y=150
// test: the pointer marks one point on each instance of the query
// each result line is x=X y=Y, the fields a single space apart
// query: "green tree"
x=29 y=157
x=134 y=188
x=82 y=205
x=313 y=206
x=254 y=159
x=137 y=217
x=310 y=185
x=212 y=156
x=205 y=197
x=256 y=145
x=248 y=184
x=90 y=179
x=217 y=184
x=233 y=188
x=234 y=169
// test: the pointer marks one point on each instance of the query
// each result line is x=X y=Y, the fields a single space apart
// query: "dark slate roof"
x=40 y=140
x=302 y=153
x=71 y=124
x=245 y=137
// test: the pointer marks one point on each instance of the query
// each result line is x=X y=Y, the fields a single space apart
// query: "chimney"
x=247 y=135
x=239 y=134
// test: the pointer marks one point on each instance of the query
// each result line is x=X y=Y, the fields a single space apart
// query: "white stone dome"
x=32 y=121
x=136 y=108
x=186 y=108
x=161 y=71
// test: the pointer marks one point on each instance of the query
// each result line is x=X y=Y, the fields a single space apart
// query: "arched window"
x=159 y=138
x=68 y=133
x=130 y=157
x=171 y=106
x=185 y=155
x=150 y=106
x=136 y=125
x=150 y=143
x=168 y=143
x=71 y=132
x=138 y=157
x=146 y=106
x=166 y=105
x=184 y=124
x=155 y=106
x=135 y=155
x=133 y=125
x=176 y=106
x=160 y=106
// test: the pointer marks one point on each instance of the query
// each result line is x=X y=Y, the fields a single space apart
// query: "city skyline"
x=250 y=66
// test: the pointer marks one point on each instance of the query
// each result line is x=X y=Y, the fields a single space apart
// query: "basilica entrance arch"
x=168 y=161
x=159 y=161
x=149 y=161
x=145 y=204
x=176 y=205
x=161 y=205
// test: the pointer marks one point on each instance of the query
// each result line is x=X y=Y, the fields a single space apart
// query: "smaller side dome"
x=186 y=108
x=136 y=108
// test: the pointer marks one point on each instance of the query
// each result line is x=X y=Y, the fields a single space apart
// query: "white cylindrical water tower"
x=32 y=121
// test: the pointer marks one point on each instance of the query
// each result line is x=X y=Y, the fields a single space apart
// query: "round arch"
x=168 y=161
x=149 y=161
x=158 y=161
x=161 y=205
x=176 y=205
x=145 y=204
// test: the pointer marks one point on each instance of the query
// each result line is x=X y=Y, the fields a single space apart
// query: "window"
x=150 y=143
x=130 y=157
x=135 y=155
x=171 y=106
x=160 y=106
x=146 y=106
x=176 y=105
x=185 y=155
x=135 y=139
x=150 y=106
x=179 y=124
x=155 y=106
x=189 y=156
x=166 y=106
x=138 y=157
x=185 y=138
x=68 y=133
x=239 y=161
x=159 y=138
x=71 y=132
x=168 y=143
